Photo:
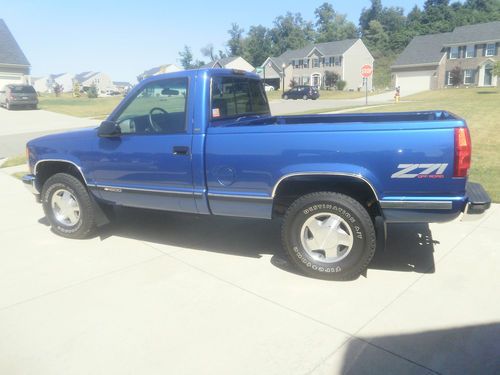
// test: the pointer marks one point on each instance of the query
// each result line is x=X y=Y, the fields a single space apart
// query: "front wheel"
x=329 y=236
x=68 y=206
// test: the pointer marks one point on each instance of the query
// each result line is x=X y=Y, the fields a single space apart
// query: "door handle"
x=180 y=150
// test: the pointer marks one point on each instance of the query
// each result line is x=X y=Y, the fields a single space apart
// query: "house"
x=14 y=66
x=99 y=79
x=430 y=61
x=122 y=87
x=63 y=79
x=233 y=62
x=307 y=66
x=167 y=68
x=40 y=84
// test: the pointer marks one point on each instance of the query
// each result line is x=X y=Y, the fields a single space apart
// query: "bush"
x=456 y=77
x=58 y=89
x=331 y=78
x=341 y=85
x=92 y=92
x=76 y=89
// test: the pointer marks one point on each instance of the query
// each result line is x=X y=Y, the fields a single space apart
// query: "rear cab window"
x=234 y=97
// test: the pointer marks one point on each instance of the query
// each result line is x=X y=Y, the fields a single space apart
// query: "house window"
x=468 y=77
x=470 y=52
x=448 y=79
x=454 y=53
x=490 y=49
x=338 y=61
x=315 y=63
x=306 y=63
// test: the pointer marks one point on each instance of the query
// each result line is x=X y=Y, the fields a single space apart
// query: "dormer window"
x=490 y=49
x=470 y=51
x=454 y=53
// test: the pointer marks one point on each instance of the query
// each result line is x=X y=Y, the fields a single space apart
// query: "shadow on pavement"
x=409 y=246
x=461 y=350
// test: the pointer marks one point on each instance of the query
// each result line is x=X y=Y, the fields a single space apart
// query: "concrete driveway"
x=164 y=293
x=19 y=126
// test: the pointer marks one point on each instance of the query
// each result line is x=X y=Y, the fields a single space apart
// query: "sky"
x=124 y=38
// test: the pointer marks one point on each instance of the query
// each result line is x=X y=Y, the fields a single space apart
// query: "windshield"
x=237 y=96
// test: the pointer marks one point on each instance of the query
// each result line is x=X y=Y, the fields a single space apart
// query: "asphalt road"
x=160 y=293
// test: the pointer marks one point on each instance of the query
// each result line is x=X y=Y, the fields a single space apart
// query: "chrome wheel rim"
x=65 y=208
x=326 y=237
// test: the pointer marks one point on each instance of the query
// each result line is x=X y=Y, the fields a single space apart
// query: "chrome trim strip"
x=62 y=161
x=355 y=175
x=237 y=196
x=417 y=205
x=118 y=189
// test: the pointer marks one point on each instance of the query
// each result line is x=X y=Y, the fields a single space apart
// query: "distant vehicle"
x=18 y=96
x=268 y=88
x=302 y=92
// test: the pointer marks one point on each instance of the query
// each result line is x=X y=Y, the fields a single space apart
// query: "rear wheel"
x=285 y=97
x=329 y=236
x=68 y=206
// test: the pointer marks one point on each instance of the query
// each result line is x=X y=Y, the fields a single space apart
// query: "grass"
x=14 y=161
x=480 y=108
x=80 y=107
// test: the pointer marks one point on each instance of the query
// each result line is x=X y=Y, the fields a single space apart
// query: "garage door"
x=6 y=79
x=414 y=81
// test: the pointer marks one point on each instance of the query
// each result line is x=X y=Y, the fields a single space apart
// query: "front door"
x=488 y=75
x=149 y=164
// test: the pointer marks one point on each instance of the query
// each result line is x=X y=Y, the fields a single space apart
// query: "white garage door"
x=414 y=81
x=6 y=79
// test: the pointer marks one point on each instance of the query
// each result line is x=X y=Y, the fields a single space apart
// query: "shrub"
x=92 y=92
x=456 y=76
x=76 y=89
x=58 y=89
x=341 y=85
x=331 y=78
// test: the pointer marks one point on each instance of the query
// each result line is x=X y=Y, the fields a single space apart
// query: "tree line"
x=385 y=30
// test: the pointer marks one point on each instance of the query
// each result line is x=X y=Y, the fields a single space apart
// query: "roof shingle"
x=10 y=52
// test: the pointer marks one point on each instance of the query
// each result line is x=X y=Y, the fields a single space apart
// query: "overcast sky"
x=124 y=38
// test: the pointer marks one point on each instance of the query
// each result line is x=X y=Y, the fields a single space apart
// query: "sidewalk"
x=182 y=294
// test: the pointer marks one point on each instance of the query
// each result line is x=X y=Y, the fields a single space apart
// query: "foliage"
x=293 y=83
x=341 y=85
x=496 y=69
x=92 y=92
x=186 y=59
x=456 y=76
x=76 y=89
x=258 y=45
x=58 y=89
x=235 y=43
x=332 y=26
x=331 y=78
x=290 y=32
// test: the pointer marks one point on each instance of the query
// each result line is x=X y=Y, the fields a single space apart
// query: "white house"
x=63 y=79
x=162 y=69
x=101 y=80
x=234 y=62
x=40 y=84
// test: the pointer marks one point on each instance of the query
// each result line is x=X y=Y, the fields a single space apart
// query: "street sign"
x=366 y=71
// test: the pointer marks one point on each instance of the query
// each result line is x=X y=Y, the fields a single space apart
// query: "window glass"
x=468 y=76
x=469 y=52
x=454 y=53
x=160 y=107
x=234 y=97
x=22 y=89
x=490 y=49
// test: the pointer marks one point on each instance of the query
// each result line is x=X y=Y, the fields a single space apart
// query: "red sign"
x=366 y=71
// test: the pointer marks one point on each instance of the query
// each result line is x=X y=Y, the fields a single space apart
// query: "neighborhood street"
x=213 y=295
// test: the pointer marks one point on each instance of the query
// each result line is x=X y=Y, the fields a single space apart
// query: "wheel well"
x=294 y=187
x=45 y=170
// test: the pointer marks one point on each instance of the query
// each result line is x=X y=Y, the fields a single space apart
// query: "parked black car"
x=302 y=92
x=18 y=96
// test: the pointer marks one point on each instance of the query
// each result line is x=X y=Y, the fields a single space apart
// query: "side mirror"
x=109 y=129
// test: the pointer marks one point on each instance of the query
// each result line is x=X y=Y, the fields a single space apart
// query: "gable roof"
x=481 y=32
x=10 y=52
x=221 y=62
x=423 y=50
x=82 y=77
x=335 y=48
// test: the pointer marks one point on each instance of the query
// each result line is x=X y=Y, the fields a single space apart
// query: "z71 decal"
x=420 y=171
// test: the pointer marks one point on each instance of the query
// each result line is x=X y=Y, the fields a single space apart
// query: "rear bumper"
x=478 y=200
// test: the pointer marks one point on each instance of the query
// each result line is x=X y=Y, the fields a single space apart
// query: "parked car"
x=302 y=92
x=268 y=88
x=18 y=96
x=333 y=180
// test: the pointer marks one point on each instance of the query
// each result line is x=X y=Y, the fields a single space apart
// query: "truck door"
x=149 y=164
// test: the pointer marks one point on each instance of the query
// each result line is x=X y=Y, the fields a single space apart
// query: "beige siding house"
x=307 y=66
x=101 y=80
x=162 y=69
x=429 y=60
x=14 y=66
x=233 y=62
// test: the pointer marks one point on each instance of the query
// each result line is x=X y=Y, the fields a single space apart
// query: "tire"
x=8 y=106
x=34 y=107
x=305 y=97
x=285 y=97
x=65 y=190
x=352 y=224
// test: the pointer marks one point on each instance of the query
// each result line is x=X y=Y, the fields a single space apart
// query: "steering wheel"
x=154 y=125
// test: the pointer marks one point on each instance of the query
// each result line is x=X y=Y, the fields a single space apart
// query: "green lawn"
x=14 y=161
x=480 y=107
x=80 y=107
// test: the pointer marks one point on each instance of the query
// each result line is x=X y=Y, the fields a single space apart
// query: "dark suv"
x=18 y=96
x=302 y=92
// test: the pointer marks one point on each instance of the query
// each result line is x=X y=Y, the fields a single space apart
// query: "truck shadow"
x=410 y=247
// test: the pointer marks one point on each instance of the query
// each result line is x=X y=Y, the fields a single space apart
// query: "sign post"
x=366 y=72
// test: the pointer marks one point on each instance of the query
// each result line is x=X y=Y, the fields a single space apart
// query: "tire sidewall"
x=361 y=241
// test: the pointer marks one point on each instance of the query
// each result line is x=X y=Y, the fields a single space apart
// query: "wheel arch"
x=46 y=168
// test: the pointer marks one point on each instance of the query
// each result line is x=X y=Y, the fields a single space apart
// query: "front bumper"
x=478 y=200
x=29 y=181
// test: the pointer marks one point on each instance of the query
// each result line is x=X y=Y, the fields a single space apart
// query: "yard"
x=81 y=107
x=481 y=108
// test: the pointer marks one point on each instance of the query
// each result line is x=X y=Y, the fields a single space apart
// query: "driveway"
x=19 y=126
x=181 y=294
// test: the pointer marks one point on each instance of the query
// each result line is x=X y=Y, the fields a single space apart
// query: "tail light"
x=463 y=152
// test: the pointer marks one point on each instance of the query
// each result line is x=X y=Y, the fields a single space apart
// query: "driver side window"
x=159 y=108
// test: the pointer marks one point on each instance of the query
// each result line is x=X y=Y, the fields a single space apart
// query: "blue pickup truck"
x=204 y=141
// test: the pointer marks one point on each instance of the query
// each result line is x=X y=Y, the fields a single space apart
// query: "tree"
x=332 y=26
x=496 y=69
x=370 y=14
x=208 y=51
x=375 y=36
x=331 y=78
x=258 y=45
x=186 y=59
x=76 y=89
x=290 y=32
x=58 y=89
x=235 y=43
x=456 y=76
